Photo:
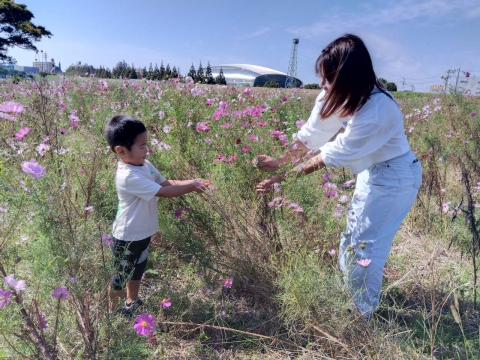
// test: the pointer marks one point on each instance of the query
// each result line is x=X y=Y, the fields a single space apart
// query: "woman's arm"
x=267 y=163
x=170 y=188
x=308 y=167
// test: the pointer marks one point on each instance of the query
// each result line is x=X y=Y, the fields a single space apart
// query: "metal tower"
x=292 y=66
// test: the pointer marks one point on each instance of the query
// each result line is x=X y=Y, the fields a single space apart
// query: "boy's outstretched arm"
x=176 y=188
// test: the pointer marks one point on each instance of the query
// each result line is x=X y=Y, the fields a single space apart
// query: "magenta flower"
x=21 y=133
x=253 y=137
x=276 y=187
x=42 y=149
x=144 y=324
x=60 y=293
x=166 y=129
x=166 y=303
x=246 y=148
x=343 y=199
x=348 y=183
x=327 y=176
x=364 y=262
x=225 y=126
x=178 y=213
x=467 y=74
x=472 y=115
x=12 y=107
x=63 y=131
x=209 y=102
x=227 y=283
x=62 y=106
x=107 y=239
x=88 y=208
x=247 y=91
x=5 y=297
x=33 y=168
x=17 y=285
x=202 y=127
x=446 y=207
x=332 y=251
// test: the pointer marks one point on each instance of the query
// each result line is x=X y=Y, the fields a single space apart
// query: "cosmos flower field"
x=231 y=274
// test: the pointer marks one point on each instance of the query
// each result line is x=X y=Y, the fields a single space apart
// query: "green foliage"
x=311 y=86
x=208 y=75
x=192 y=72
x=199 y=75
x=17 y=29
x=271 y=84
x=391 y=86
x=220 y=78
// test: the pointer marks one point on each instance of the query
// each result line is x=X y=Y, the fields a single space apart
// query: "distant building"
x=468 y=85
x=44 y=66
x=250 y=75
x=437 y=89
x=26 y=69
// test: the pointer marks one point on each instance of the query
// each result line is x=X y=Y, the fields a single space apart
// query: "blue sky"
x=414 y=39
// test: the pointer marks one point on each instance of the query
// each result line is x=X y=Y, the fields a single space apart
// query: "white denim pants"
x=384 y=194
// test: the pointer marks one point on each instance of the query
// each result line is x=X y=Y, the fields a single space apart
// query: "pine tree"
x=156 y=73
x=192 y=72
x=150 y=72
x=174 y=73
x=161 y=75
x=108 y=74
x=144 y=72
x=199 y=76
x=220 y=79
x=133 y=73
x=168 y=72
x=208 y=75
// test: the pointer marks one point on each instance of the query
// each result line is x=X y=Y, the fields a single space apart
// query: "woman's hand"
x=266 y=163
x=266 y=185
x=201 y=185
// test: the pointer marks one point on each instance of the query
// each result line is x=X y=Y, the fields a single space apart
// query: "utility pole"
x=456 y=83
x=403 y=84
x=447 y=77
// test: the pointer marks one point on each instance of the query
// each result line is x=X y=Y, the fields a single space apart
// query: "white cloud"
x=256 y=33
x=406 y=10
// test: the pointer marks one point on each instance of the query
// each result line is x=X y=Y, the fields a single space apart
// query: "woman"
x=373 y=145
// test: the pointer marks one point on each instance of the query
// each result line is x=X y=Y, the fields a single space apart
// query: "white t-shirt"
x=137 y=216
x=373 y=134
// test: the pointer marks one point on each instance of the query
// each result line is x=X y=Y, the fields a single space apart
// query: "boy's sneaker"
x=129 y=309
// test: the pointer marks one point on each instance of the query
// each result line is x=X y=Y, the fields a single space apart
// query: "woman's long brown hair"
x=346 y=64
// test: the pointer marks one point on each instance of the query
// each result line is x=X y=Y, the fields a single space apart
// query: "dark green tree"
x=220 y=79
x=133 y=73
x=192 y=72
x=16 y=29
x=168 y=72
x=199 y=75
x=150 y=72
x=144 y=73
x=161 y=75
x=174 y=73
x=208 y=75
x=391 y=86
x=383 y=81
x=312 y=86
x=156 y=73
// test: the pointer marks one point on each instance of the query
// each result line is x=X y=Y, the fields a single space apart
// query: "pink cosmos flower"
x=364 y=262
x=18 y=285
x=276 y=187
x=300 y=123
x=208 y=141
x=227 y=283
x=63 y=106
x=245 y=149
x=177 y=213
x=63 y=131
x=253 y=137
x=238 y=141
x=327 y=176
x=348 y=183
x=145 y=323
x=88 y=208
x=472 y=115
x=166 y=303
x=12 y=107
x=166 y=129
x=33 y=168
x=107 y=239
x=446 y=207
x=60 y=293
x=42 y=149
x=207 y=245
x=262 y=124
x=247 y=91
x=343 y=199
x=21 y=133
x=332 y=251
x=225 y=126
x=202 y=127
x=209 y=102
x=5 y=297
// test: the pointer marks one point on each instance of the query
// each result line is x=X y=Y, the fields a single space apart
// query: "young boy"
x=138 y=185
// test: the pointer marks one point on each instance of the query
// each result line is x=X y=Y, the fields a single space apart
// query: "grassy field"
x=286 y=300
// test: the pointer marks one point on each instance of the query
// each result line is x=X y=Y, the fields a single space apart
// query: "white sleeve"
x=317 y=132
x=141 y=186
x=159 y=178
x=359 y=140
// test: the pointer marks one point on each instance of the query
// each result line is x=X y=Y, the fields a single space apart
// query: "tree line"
x=124 y=71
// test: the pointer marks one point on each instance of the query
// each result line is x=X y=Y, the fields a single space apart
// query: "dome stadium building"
x=251 y=75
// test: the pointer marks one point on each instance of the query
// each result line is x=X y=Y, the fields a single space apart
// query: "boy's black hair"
x=122 y=130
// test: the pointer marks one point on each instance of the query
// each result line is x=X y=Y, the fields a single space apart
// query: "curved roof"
x=254 y=68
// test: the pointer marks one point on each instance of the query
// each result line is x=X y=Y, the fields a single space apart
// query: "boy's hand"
x=266 y=163
x=201 y=185
x=266 y=185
